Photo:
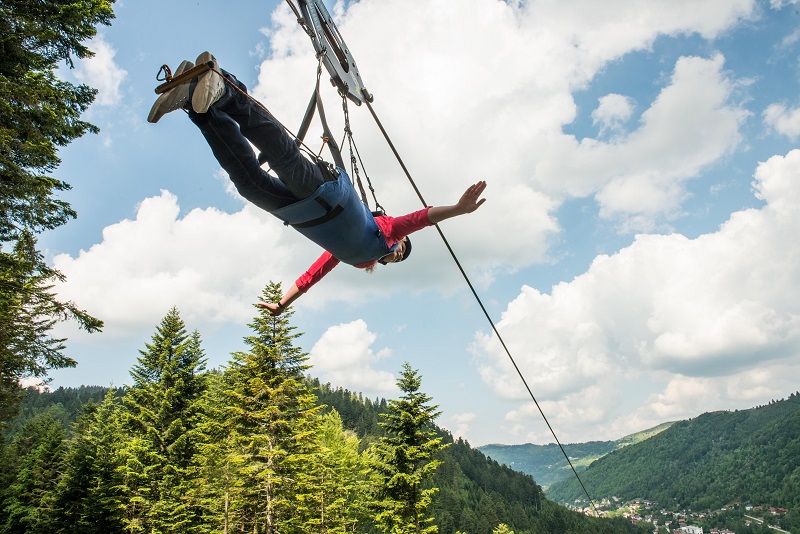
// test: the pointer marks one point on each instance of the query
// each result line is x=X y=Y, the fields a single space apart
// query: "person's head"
x=400 y=253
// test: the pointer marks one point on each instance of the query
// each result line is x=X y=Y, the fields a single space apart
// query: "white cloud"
x=779 y=4
x=102 y=73
x=344 y=356
x=711 y=321
x=612 y=112
x=33 y=382
x=783 y=120
x=210 y=264
x=460 y=423
x=459 y=111
x=689 y=126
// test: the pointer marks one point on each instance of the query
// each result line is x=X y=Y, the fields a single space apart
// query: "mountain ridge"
x=546 y=463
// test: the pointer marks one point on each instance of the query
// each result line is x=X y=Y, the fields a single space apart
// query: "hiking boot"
x=173 y=99
x=210 y=85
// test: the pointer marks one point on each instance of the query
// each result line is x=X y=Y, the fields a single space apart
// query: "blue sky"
x=637 y=249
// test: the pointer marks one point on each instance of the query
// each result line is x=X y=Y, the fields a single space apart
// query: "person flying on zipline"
x=315 y=198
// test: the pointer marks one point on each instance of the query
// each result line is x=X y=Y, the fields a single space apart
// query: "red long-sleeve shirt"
x=393 y=229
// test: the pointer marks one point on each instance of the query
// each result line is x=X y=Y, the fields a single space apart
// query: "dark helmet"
x=406 y=252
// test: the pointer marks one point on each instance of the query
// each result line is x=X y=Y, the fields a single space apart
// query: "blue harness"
x=338 y=221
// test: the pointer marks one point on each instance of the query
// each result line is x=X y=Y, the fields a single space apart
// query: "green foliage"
x=32 y=458
x=267 y=420
x=161 y=419
x=251 y=448
x=747 y=456
x=90 y=493
x=38 y=114
x=404 y=459
x=341 y=480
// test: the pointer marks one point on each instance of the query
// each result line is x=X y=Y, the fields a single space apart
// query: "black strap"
x=330 y=213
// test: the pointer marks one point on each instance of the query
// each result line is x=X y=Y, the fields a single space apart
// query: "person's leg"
x=300 y=175
x=236 y=156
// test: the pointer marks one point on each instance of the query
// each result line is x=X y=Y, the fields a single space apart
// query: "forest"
x=257 y=446
x=716 y=460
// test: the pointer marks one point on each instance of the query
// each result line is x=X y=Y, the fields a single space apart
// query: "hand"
x=274 y=308
x=466 y=204
x=469 y=200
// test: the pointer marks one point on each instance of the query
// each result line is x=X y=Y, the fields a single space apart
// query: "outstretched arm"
x=276 y=308
x=468 y=203
x=324 y=264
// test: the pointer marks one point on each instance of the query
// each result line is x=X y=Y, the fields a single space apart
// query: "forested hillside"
x=255 y=447
x=475 y=493
x=546 y=463
x=747 y=456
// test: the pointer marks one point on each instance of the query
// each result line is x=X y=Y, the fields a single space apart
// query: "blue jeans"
x=228 y=126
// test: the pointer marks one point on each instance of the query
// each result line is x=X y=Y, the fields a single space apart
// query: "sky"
x=637 y=250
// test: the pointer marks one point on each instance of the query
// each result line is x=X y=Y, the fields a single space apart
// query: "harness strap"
x=330 y=214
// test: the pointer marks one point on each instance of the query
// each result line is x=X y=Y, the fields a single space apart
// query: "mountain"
x=744 y=456
x=546 y=463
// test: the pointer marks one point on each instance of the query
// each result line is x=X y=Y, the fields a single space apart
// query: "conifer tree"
x=219 y=460
x=405 y=459
x=89 y=496
x=26 y=503
x=339 y=503
x=161 y=418
x=38 y=114
x=272 y=419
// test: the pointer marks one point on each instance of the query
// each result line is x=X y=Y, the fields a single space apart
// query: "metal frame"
x=332 y=50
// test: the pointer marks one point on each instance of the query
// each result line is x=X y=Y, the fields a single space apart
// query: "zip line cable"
x=480 y=303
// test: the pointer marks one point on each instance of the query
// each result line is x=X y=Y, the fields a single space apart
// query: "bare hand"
x=469 y=200
x=273 y=308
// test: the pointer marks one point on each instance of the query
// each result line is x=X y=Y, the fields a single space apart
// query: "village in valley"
x=683 y=521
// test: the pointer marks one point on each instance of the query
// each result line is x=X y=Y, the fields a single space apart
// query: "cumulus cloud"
x=711 y=321
x=641 y=176
x=102 y=72
x=612 y=112
x=210 y=264
x=459 y=110
x=783 y=120
x=459 y=424
x=344 y=356
x=780 y=4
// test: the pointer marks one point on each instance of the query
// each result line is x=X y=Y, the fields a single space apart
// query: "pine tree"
x=271 y=418
x=219 y=460
x=89 y=495
x=341 y=480
x=38 y=114
x=161 y=417
x=26 y=504
x=405 y=459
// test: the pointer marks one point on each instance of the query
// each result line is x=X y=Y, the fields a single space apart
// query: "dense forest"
x=257 y=447
x=547 y=464
x=716 y=459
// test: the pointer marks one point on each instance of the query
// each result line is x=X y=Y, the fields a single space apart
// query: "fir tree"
x=38 y=114
x=405 y=459
x=341 y=479
x=161 y=417
x=271 y=418
x=89 y=495
x=26 y=503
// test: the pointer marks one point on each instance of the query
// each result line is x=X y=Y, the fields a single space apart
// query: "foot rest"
x=184 y=77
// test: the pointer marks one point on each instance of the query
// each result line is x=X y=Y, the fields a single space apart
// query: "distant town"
x=688 y=521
